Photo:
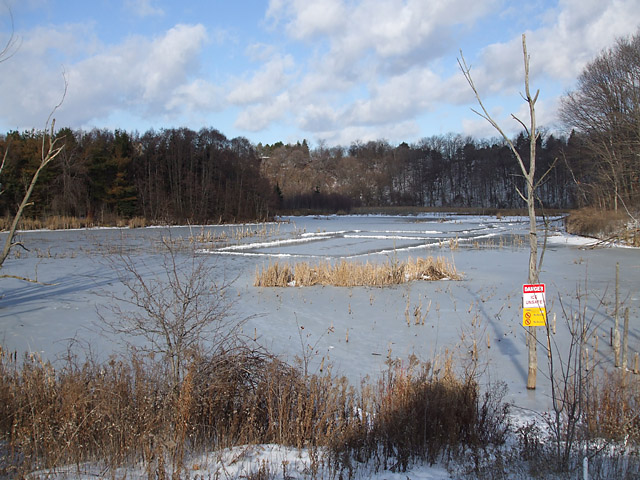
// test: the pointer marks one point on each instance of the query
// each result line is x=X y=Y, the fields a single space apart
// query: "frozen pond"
x=355 y=330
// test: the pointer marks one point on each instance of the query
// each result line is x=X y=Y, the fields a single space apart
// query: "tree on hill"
x=604 y=114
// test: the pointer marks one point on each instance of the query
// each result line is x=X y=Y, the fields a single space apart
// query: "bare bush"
x=182 y=310
x=613 y=409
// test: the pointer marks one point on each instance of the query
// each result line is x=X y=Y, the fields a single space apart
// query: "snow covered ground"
x=355 y=330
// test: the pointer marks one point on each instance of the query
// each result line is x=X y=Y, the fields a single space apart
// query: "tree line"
x=181 y=175
x=164 y=176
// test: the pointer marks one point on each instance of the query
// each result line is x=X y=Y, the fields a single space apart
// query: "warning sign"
x=534 y=311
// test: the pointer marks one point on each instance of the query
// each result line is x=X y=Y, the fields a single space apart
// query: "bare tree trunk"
x=616 y=316
x=528 y=197
x=533 y=234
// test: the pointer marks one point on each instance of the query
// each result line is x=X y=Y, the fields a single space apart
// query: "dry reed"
x=64 y=222
x=127 y=411
x=55 y=222
x=355 y=274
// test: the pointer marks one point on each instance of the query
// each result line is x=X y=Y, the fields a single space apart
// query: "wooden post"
x=625 y=338
x=616 y=326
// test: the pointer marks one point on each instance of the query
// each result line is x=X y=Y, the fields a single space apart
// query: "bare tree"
x=52 y=145
x=605 y=110
x=177 y=312
x=529 y=196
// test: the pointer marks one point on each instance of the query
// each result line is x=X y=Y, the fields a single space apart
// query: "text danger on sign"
x=533 y=296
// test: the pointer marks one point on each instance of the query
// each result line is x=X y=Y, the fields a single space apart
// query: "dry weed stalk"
x=613 y=405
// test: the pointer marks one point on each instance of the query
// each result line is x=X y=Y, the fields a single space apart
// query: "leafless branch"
x=466 y=71
x=12 y=44
x=52 y=145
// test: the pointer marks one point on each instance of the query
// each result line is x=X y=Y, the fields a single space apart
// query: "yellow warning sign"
x=534 y=317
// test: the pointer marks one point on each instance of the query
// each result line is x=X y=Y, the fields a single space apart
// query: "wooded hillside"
x=178 y=175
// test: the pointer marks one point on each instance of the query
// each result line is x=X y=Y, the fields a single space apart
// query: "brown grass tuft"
x=54 y=222
x=355 y=274
x=275 y=275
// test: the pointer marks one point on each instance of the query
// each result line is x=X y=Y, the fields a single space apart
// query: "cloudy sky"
x=332 y=70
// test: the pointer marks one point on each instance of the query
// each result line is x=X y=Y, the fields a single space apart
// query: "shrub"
x=593 y=222
x=420 y=412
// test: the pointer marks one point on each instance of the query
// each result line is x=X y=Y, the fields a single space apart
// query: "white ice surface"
x=492 y=254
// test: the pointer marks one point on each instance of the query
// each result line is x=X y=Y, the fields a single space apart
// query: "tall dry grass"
x=56 y=222
x=355 y=274
x=235 y=233
x=126 y=412
x=421 y=411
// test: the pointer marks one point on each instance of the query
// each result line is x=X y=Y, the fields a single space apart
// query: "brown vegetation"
x=605 y=225
x=127 y=411
x=354 y=274
x=612 y=407
x=63 y=222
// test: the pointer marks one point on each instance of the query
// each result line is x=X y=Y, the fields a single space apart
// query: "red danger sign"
x=533 y=288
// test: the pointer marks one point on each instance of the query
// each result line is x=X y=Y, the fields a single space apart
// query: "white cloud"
x=305 y=20
x=261 y=116
x=582 y=30
x=385 y=46
x=142 y=76
x=272 y=78
x=197 y=96
x=349 y=134
x=143 y=8
x=572 y=35
x=319 y=118
x=169 y=59
x=400 y=97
